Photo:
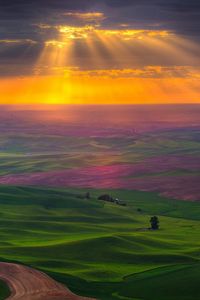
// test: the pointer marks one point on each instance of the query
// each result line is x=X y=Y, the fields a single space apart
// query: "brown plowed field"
x=28 y=284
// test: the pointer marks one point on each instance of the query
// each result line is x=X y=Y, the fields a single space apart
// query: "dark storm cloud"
x=17 y=17
x=36 y=9
x=185 y=16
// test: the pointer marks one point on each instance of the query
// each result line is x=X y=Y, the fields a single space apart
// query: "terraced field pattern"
x=149 y=158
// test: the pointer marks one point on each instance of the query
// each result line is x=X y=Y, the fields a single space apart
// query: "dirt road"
x=28 y=284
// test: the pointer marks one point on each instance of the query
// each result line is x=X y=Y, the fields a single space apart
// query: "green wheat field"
x=101 y=249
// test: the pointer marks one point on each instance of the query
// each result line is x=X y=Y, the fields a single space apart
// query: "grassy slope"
x=103 y=250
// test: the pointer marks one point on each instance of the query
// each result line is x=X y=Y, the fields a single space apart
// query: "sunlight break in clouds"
x=87 y=16
x=18 y=41
x=90 y=63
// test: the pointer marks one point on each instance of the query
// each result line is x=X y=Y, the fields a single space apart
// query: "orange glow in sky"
x=95 y=90
x=107 y=74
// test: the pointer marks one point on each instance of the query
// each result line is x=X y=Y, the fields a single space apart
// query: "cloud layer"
x=106 y=34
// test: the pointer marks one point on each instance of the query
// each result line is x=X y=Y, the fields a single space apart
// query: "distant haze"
x=93 y=119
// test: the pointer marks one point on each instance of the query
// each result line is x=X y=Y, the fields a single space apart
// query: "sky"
x=99 y=51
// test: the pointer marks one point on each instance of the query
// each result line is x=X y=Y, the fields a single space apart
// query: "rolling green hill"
x=101 y=249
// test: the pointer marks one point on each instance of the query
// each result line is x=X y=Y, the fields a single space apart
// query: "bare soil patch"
x=28 y=284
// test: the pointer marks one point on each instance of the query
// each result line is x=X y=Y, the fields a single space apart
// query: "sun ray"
x=90 y=64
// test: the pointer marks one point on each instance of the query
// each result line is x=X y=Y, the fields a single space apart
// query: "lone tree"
x=154 y=223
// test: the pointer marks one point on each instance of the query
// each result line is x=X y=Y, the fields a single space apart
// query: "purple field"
x=147 y=148
x=139 y=176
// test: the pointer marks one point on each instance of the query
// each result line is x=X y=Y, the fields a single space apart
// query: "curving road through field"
x=29 y=284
